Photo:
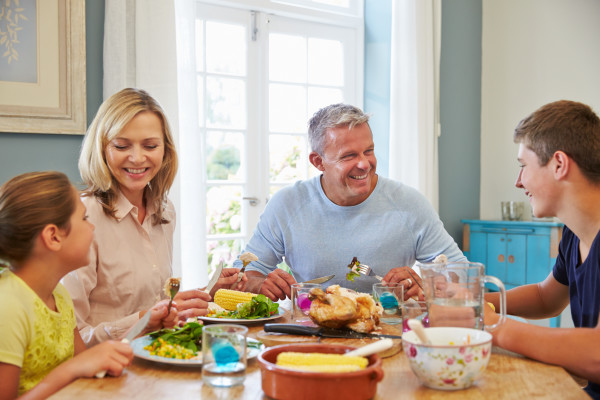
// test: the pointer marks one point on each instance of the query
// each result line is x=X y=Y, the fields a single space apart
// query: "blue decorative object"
x=388 y=300
x=224 y=353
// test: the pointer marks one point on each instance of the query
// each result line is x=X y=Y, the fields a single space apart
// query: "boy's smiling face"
x=538 y=182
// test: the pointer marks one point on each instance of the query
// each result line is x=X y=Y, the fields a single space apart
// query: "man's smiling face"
x=348 y=164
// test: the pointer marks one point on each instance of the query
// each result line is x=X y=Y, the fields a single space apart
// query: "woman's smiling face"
x=136 y=154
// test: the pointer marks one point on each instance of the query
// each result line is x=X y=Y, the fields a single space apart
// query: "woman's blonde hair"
x=116 y=112
x=28 y=203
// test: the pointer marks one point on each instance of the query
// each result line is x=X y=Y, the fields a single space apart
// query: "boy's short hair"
x=566 y=126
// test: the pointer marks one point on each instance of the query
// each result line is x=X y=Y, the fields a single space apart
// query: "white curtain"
x=149 y=44
x=414 y=95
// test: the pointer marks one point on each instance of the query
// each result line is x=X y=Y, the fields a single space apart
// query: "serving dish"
x=253 y=349
x=280 y=313
x=454 y=360
x=286 y=384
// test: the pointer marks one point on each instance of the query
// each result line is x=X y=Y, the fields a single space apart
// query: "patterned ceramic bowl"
x=454 y=360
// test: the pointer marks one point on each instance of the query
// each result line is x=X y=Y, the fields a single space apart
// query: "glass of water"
x=224 y=354
x=390 y=297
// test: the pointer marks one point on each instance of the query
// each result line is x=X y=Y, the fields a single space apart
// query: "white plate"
x=278 y=314
x=138 y=350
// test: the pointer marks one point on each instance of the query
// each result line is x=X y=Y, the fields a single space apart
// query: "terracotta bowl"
x=284 y=384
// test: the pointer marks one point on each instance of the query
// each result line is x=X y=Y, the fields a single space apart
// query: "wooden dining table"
x=507 y=376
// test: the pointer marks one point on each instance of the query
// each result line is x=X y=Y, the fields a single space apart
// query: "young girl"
x=44 y=234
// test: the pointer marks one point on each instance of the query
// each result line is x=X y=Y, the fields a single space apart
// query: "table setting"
x=239 y=358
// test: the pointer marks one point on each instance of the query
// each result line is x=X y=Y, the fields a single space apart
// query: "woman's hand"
x=190 y=304
x=161 y=318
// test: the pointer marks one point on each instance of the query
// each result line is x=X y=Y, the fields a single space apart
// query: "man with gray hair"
x=319 y=225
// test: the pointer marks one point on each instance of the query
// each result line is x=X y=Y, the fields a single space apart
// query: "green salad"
x=259 y=307
x=354 y=273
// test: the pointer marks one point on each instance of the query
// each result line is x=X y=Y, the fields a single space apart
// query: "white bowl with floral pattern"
x=454 y=360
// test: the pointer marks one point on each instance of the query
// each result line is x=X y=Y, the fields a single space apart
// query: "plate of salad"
x=259 y=309
x=166 y=345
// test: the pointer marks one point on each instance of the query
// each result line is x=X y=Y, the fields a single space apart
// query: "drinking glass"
x=414 y=309
x=224 y=354
x=301 y=303
x=390 y=297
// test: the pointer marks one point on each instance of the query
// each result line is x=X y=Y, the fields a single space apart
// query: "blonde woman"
x=128 y=162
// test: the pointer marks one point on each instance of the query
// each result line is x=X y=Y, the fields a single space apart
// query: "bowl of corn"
x=318 y=371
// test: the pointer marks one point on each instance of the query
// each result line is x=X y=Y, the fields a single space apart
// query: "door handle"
x=253 y=201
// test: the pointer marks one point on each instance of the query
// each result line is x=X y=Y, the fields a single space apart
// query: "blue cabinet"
x=516 y=252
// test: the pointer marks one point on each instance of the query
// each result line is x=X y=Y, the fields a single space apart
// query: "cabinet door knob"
x=511 y=259
x=501 y=258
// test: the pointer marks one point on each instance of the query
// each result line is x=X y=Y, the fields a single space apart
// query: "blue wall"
x=24 y=152
x=460 y=114
x=460 y=102
x=378 y=32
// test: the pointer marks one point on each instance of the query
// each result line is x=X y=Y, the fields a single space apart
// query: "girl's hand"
x=110 y=356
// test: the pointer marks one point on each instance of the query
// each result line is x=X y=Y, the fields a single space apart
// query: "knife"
x=215 y=278
x=322 y=279
x=133 y=332
x=295 y=329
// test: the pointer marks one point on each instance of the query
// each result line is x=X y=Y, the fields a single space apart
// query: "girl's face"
x=79 y=238
x=135 y=155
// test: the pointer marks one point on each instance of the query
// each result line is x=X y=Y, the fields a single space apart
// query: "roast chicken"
x=339 y=307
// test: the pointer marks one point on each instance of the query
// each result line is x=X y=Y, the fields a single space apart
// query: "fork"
x=173 y=290
x=366 y=270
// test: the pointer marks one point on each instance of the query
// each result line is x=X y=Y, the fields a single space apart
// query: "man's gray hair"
x=332 y=116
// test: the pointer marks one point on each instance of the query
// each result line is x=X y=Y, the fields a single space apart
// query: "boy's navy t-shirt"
x=584 y=285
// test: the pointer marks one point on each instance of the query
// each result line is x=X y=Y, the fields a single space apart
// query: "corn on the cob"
x=321 y=362
x=229 y=299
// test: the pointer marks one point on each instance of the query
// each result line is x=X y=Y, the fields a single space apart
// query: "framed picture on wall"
x=42 y=66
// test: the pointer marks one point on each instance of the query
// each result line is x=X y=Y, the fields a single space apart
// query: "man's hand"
x=408 y=278
x=229 y=277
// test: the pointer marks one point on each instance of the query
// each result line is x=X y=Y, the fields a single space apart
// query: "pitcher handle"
x=495 y=281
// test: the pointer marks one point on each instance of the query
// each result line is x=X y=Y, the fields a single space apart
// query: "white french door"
x=260 y=77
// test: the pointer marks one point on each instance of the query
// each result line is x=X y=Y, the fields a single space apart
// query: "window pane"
x=287 y=158
x=339 y=3
x=226 y=250
x=287 y=58
x=226 y=103
x=325 y=62
x=321 y=97
x=224 y=153
x=287 y=108
x=199 y=45
x=223 y=210
x=200 y=89
x=225 y=48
